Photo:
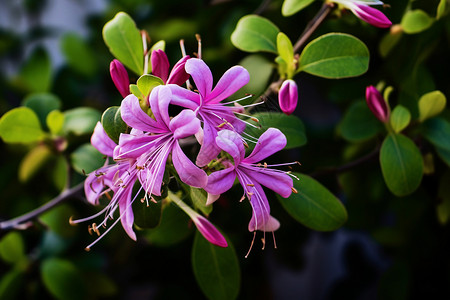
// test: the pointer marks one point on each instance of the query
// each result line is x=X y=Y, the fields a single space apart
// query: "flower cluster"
x=153 y=142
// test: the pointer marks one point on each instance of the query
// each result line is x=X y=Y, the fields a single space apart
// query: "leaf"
x=260 y=70
x=291 y=126
x=400 y=118
x=36 y=74
x=146 y=83
x=86 y=159
x=291 y=7
x=198 y=197
x=113 y=124
x=33 y=161
x=286 y=52
x=441 y=9
x=11 y=283
x=216 y=269
x=81 y=120
x=147 y=216
x=388 y=42
x=100 y=285
x=401 y=164
x=125 y=42
x=62 y=279
x=314 y=205
x=57 y=220
x=12 y=248
x=78 y=54
x=55 y=121
x=254 y=33
x=335 y=55
x=415 y=21
x=431 y=104
x=136 y=91
x=359 y=123
x=20 y=125
x=42 y=104
x=437 y=131
x=444 y=154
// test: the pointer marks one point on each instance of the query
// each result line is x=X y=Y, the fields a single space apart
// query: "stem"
x=65 y=195
x=312 y=25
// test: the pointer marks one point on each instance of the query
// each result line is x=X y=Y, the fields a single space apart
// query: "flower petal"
x=288 y=96
x=371 y=15
x=209 y=149
x=270 y=142
x=260 y=209
x=219 y=182
x=231 y=142
x=231 y=81
x=209 y=231
x=101 y=141
x=159 y=103
x=184 y=124
x=178 y=74
x=183 y=97
x=133 y=146
x=120 y=78
x=126 y=211
x=275 y=180
x=160 y=64
x=135 y=117
x=201 y=74
x=188 y=172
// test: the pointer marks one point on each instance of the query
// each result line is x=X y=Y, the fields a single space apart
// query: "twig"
x=21 y=220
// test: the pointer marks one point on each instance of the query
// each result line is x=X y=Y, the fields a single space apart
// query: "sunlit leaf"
x=415 y=21
x=441 y=9
x=55 y=121
x=81 y=120
x=20 y=125
x=400 y=118
x=12 y=248
x=42 y=104
x=147 y=82
x=291 y=7
x=286 y=52
x=431 y=104
x=254 y=33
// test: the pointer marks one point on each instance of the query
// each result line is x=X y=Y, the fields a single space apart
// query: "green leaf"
x=359 y=123
x=415 y=21
x=291 y=126
x=125 y=42
x=216 y=269
x=441 y=9
x=254 y=33
x=55 y=121
x=81 y=120
x=291 y=7
x=401 y=164
x=59 y=173
x=79 y=55
x=36 y=74
x=314 y=205
x=33 y=161
x=286 y=52
x=198 y=197
x=335 y=55
x=57 y=219
x=62 y=279
x=86 y=159
x=400 y=118
x=113 y=124
x=146 y=83
x=12 y=249
x=388 y=42
x=260 y=70
x=147 y=216
x=11 y=283
x=100 y=285
x=444 y=154
x=136 y=91
x=431 y=104
x=437 y=131
x=42 y=104
x=20 y=125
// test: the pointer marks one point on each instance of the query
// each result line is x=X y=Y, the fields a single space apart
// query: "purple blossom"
x=377 y=104
x=120 y=78
x=251 y=175
x=362 y=10
x=161 y=66
x=288 y=96
x=207 y=104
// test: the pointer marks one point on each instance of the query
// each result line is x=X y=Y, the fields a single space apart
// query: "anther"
x=265 y=165
x=90 y=230
x=294 y=190
x=254 y=119
x=250 y=184
x=87 y=249
x=71 y=222
x=264 y=243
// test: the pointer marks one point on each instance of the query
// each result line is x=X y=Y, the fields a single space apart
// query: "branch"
x=19 y=222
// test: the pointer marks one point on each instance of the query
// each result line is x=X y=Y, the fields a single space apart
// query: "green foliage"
x=80 y=121
x=440 y=12
x=55 y=121
x=368 y=125
x=400 y=118
x=86 y=159
x=198 y=197
x=335 y=55
x=260 y=70
x=254 y=33
x=20 y=125
x=286 y=52
x=35 y=76
x=431 y=104
x=437 y=131
x=401 y=164
x=57 y=221
x=125 y=42
x=416 y=21
x=11 y=283
x=291 y=7
x=33 y=162
x=42 y=104
x=147 y=216
x=12 y=248
x=146 y=83
x=113 y=124
x=79 y=55
x=314 y=205
x=216 y=269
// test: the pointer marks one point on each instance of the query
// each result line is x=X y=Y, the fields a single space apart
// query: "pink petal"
x=271 y=225
x=178 y=74
x=209 y=231
x=159 y=103
x=209 y=149
x=270 y=142
x=126 y=211
x=135 y=117
x=133 y=146
x=201 y=74
x=184 y=124
x=120 y=78
x=101 y=141
x=377 y=104
x=219 y=182
x=231 y=142
x=277 y=181
x=160 y=64
x=183 y=97
x=288 y=96
x=371 y=15
x=188 y=172
x=232 y=80
x=261 y=209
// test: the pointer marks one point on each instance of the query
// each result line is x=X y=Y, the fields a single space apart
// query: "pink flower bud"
x=371 y=15
x=120 y=78
x=178 y=75
x=288 y=96
x=209 y=231
x=160 y=64
x=377 y=104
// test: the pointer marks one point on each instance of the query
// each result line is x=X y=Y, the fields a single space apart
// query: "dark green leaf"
x=291 y=126
x=198 y=197
x=147 y=216
x=444 y=154
x=388 y=42
x=125 y=42
x=62 y=279
x=415 y=21
x=290 y=7
x=216 y=269
x=314 y=205
x=86 y=159
x=35 y=75
x=113 y=124
x=359 y=124
x=42 y=104
x=401 y=164
x=12 y=249
x=437 y=131
x=400 y=118
x=20 y=125
x=11 y=283
x=80 y=120
x=335 y=55
x=79 y=55
x=254 y=33
x=57 y=219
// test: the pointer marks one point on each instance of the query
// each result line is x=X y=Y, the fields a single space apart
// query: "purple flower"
x=120 y=78
x=288 y=96
x=362 y=10
x=377 y=104
x=251 y=175
x=207 y=103
x=161 y=66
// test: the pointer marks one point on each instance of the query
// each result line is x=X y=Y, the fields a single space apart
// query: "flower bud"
x=209 y=231
x=372 y=16
x=178 y=75
x=377 y=104
x=160 y=64
x=288 y=96
x=120 y=78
